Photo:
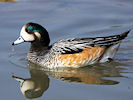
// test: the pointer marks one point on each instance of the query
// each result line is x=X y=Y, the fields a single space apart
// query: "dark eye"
x=29 y=31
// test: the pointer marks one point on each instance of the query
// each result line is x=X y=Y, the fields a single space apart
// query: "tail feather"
x=123 y=35
x=110 y=40
x=113 y=46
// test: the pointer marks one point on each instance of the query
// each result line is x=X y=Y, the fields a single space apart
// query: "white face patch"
x=27 y=37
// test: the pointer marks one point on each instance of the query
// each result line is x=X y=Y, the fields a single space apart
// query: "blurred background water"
x=63 y=19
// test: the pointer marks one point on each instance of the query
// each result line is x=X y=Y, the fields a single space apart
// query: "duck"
x=70 y=52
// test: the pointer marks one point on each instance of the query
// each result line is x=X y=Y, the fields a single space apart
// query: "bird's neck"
x=37 y=46
x=37 y=52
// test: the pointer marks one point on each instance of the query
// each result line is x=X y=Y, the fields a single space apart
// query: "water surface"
x=64 y=19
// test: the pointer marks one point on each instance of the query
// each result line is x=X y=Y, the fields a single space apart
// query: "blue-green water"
x=64 y=19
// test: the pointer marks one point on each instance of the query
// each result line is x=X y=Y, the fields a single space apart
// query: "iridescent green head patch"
x=31 y=29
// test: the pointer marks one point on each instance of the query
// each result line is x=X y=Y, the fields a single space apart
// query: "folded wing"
x=74 y=45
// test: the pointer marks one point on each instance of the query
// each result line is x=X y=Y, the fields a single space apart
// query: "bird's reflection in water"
x=39 y=82
x=35 y=86
x=96 y=74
